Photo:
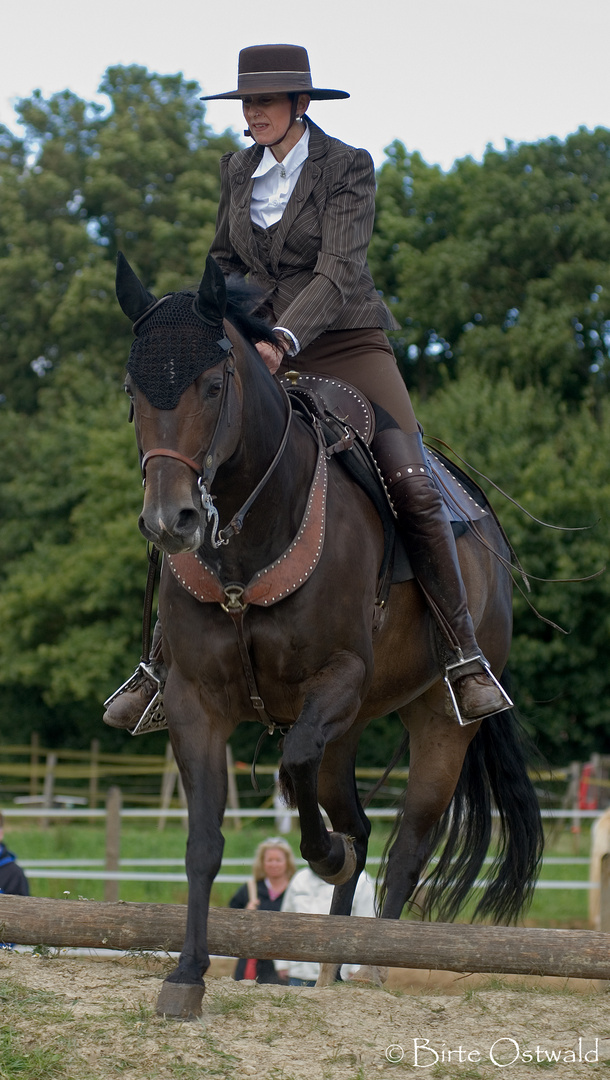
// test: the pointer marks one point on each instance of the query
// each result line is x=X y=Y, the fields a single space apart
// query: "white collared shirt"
x=274 y=182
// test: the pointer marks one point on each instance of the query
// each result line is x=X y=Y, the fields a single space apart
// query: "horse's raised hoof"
x=349 y=863
x=182 y=1001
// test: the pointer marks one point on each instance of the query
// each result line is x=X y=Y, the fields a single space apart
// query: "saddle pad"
x=464 y=500
x=340 y=398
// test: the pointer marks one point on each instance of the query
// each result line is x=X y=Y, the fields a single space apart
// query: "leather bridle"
x=207 y=470
x=204 y=470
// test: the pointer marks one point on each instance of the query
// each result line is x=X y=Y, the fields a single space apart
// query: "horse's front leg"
x=338 y=794
x=199 y=746
x=332 y=701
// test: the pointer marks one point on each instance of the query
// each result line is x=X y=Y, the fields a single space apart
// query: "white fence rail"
x=148 y=870
x=254 y=812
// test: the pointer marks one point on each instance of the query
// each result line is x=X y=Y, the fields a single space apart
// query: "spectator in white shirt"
x=309 y=894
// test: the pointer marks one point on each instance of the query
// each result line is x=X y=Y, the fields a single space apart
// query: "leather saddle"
x=340 y=408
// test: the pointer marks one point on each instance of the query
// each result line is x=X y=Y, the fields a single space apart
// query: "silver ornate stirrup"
x=466 y=663
x=153 y=717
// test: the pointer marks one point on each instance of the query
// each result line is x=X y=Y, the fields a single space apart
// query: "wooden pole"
x=168 y=782
x=35 y=746
x=600 y=846
x=595 y=789
x=183 y=802
x=604 y=894
x=571 y=799
x=49 y=784
x=114 y=802
x=94 y=774
x=583 y=954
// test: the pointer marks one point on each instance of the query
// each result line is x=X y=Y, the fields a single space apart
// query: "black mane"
x=246 y=310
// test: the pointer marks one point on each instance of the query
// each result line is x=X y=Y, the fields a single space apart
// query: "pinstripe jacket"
x=315 y=272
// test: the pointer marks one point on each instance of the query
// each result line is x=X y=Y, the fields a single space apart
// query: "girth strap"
x=255 y=698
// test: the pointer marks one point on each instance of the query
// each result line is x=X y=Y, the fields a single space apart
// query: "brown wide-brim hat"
x=272 y=69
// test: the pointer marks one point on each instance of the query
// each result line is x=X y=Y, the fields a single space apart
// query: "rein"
x=206 y=472
x=237 y=521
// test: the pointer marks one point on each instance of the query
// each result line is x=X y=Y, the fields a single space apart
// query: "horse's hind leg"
x=437 y=750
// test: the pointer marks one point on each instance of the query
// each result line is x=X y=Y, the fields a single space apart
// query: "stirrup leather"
x=451 y=677
x=153 y=717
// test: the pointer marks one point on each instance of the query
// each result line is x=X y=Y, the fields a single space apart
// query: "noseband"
x=207 y=470
x=163 y=451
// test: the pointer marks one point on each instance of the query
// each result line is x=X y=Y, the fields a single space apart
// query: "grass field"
x=552 y=908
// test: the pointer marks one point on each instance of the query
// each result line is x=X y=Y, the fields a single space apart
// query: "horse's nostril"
x=186 y=522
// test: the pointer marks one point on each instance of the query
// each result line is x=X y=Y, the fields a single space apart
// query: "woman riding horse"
x=296 y=214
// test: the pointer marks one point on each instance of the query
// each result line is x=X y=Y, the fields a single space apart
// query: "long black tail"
x=494 y=775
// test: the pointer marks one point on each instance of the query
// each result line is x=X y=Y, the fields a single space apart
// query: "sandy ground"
x=100 y=1013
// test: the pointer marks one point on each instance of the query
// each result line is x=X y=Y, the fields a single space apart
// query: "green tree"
x=84 y=182
x=143 y=176
x=498 y=273
x=503 y=263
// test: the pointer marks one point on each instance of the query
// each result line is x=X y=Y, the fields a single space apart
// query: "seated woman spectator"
x=309 y=894
x=12 y=877
x=272 y=870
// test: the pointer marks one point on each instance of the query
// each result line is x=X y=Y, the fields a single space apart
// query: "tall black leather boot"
x=125 y=709
x=430 y=544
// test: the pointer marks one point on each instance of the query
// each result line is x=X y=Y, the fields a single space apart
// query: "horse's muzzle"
x=182 y=531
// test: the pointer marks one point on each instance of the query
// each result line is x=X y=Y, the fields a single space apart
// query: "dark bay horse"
x=235 y=485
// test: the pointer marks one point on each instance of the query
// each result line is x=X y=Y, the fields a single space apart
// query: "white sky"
x=446 y=77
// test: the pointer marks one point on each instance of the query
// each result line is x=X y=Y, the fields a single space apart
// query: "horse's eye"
x=214 y=389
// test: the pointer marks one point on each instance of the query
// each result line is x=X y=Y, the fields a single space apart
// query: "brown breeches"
x=365 y=359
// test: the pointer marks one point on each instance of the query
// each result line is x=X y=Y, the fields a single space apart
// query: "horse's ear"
x=211 y=299
x=131 y=294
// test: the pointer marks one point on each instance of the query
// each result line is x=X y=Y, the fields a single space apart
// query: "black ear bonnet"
x=173 y=347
